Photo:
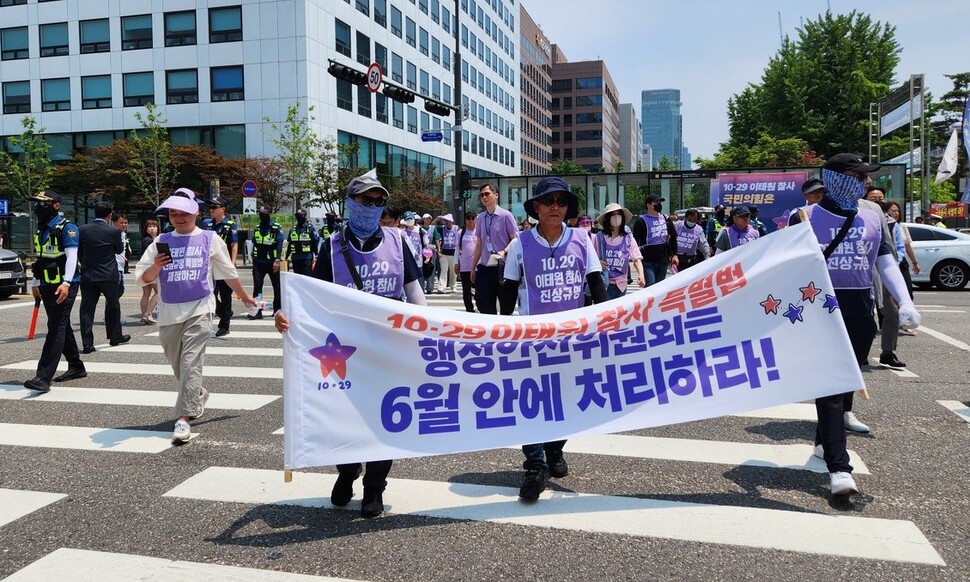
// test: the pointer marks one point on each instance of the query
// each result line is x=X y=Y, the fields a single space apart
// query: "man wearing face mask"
x=226 y=230
x=657 y=240
x=690 y=241
x=267 y=250
x=363 y=242
x=56 y=282
x=856 y=241
x=303 y=240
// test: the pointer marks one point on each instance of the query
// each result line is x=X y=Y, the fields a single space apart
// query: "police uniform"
x=302 y=242
x=226 y=230
x=267 y=251
x=52 y=270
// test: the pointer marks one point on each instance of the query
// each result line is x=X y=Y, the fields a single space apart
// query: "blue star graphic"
x=794 y=313
x=831 y=303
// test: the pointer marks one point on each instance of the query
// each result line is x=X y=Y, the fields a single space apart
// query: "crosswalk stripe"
x=159 y=369
x=958 y=408
x=88 y=565
x=84 y=438
x=16 y=503
x=241 y=335
x=17 y=304
x=73 y=394
x=856 y=537
x=796 y=411
x=941 y=311
x=943 y=337
x=874 y=362
x=210 y=349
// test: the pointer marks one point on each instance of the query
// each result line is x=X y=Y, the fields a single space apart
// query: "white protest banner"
x=368 y=378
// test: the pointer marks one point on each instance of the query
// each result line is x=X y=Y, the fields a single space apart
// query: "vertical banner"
x=774 y=194
x=368 y=378
x=966 y=145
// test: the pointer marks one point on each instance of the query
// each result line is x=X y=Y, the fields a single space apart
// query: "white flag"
x=948 y=165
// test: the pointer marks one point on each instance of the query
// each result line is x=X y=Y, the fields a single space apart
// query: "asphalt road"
x=692 y=501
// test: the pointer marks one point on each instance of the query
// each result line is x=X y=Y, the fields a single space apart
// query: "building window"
x=55 y=94
x=342 y=40
x=397 y=68
x=562 y=85
x=225 y=24
x=434 y=11
x=424 y=41
x=53 y=40
x=363 y=101
x=380 y=57
x=345 y=95
x=180 y=28
x=182 y=86
x=13 y=43
x=95 y=36
x=435 y=50
x=411 y=32
x=446 y=57
x=12 y=2
x=398 y=114
x=380 y=14
x=423 y=6
x=363 y=49
x=412 y=119
x=96 y=92
x=16 y=97
x=396 y=21
x=589 y=82
x=227 y=84
x=381 y=107
x=424 y=82
x=412 y=76
x=139 y=88
x=136 y=32
x=445 y=19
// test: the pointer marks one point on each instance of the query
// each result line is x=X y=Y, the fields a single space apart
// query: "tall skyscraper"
x=535 y=70
x=631 y=139
x=662 y=124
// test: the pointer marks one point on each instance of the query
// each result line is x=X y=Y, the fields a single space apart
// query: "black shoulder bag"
x=350 y=262
x=839 y=236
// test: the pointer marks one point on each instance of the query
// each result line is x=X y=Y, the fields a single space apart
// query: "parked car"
x=943 y=255
x=11 y=273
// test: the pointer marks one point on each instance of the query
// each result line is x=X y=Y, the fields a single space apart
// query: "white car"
x=943 y=255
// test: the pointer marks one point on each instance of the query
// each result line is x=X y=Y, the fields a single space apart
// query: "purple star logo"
x=333 y=357
x=794 y=313
x=831 y=303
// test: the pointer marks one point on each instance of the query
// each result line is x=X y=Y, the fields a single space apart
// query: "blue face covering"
x=364 y=220
x=844 y=190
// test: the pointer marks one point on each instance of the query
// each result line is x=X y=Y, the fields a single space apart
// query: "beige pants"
x=447 y=274
x=184 y=346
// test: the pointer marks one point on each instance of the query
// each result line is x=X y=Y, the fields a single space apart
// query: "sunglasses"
x=371 y=201
x=549 y=200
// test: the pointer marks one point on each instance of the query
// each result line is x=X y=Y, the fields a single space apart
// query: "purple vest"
x=417 y=244
x=186 y=278
x=617 y=256
x=381 y=270
x=687 y=238
x=554 y=283
x=850 y=266
x=467 y=251
x=656 y=229
x=449 y=237
x=737 y=238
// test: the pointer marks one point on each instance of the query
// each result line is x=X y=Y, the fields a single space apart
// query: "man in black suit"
x=100 y=244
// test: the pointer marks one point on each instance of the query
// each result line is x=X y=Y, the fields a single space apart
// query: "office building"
x=631 y=139
x=535 y=62
x=662 y=125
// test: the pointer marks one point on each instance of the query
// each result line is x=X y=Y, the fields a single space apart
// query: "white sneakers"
x=182 y=432
x=852 y=423
x=842 y=483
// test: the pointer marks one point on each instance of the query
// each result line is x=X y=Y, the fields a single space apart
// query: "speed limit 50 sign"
x=374 y=77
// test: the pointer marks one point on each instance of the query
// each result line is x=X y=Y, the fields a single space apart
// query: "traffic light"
x=398 y=94
x=347 y=74
x=464 y=111
x=466 y=180
x=436 y=108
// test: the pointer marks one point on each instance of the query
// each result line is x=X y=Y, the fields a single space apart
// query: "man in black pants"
x=267 y=251
x=302 y=243
x=227 y=231
x=495 y=228
x=56 y=284
x=101 y=243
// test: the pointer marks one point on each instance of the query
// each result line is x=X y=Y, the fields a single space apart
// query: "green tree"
x=298 y=147
x=766 y=152
x=150 y=168
x=418 y=191
x=31 y=171
x=565 y=168
x=325 y=189
x=664 y=164
x=818 y=87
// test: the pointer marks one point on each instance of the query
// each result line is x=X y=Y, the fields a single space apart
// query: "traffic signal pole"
x=459 y=110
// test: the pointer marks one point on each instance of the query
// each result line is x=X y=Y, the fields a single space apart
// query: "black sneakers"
x=373 y=503
x=557 y=464
x=534 y=484
x=890 y=359
x=222 y=332
x=343 y=489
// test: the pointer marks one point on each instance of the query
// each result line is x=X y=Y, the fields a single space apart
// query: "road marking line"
x=159 y=369
x=942 y=336
x=69 y=564
x=875 y=365
x=210 y=350
x=858 y=537
x=958 y=408
x=16 y=503
x=17 y=304
x=941 y=311
x=241 y=335
x=84 y=438
x=124 y=397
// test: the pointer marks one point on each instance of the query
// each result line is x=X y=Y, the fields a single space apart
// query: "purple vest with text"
x=616 y=254
x=554 y=277
x=467 y=251
x=656 y=229
x=738 y=238
x=850 y=265
x=186 y=278
x=381 y=270
x=449 y=237
x=687 y=238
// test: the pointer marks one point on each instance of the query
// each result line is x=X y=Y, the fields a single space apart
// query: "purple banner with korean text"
x=775 y=194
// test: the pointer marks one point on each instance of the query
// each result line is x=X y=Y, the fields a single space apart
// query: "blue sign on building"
x=431 y=135
x=4 y=207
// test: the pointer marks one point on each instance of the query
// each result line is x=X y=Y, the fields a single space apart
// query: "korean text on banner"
x=368 y=378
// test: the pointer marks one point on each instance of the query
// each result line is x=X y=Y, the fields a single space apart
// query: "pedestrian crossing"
x=737 y=525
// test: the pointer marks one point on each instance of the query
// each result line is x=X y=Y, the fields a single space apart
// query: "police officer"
x=303 y=241
x=267 y=250
x=756 y=222
x=56 y=282
x=226 y=230
x=715 y=224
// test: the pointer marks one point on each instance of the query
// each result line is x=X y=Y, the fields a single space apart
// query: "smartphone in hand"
x=163 y=248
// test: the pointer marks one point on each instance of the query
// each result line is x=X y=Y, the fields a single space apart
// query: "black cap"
x=265 y=209
x=812 y=185
x=47 y=196
x=301 y=212
x=217 y=201
x=740 y=211
x=654 y=198
x=850 y=163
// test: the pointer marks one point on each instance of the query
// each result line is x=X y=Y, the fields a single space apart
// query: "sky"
x=712 y=49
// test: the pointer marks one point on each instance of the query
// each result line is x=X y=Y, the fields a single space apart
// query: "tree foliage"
x=418 y=191
x=565 y=168
x=818 y=87
x=298 y=148
x=150 y=169
x=23 y=175
x=766 y=152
